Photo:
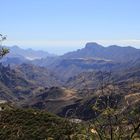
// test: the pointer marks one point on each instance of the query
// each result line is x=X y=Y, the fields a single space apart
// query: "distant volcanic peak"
x=93 y=45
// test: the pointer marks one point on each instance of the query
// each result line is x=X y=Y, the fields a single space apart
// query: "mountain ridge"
x=112 y=52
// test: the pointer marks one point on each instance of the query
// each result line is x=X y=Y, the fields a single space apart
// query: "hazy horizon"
x=61 y=51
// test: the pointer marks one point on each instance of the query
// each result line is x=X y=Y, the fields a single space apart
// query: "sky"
x=58 y=26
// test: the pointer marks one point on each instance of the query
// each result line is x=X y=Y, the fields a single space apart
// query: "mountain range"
x=92 y=50
x=93 y=57
x=76 y=79
x=110 y=53
x=18 y=55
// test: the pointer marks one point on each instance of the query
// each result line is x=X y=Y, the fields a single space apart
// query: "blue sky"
x=63 y=25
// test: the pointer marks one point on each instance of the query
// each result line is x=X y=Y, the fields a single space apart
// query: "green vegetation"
x=29 y=124
x=3 y=51
x=114 y=122
x=18 y=124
